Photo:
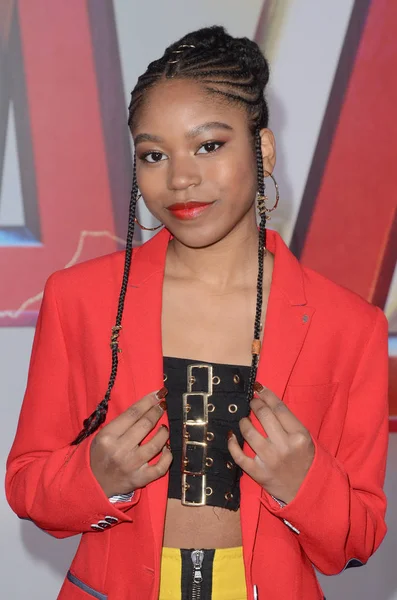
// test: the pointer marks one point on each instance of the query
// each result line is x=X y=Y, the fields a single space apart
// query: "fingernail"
x=168 y=445
x=258 y=387
x=163 y=405
x=229 y=435
x=162 y=393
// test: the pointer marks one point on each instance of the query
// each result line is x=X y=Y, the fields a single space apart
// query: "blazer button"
x=111 y=520
x=96 y=527
x=103 y=524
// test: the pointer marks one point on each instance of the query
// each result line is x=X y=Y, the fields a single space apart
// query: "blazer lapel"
x=287 y=322
x=142 y=350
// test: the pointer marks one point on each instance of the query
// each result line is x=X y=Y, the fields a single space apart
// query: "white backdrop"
x=304 y=59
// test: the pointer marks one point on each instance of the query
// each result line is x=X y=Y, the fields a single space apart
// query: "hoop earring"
x=142 y=226
x=262 y=208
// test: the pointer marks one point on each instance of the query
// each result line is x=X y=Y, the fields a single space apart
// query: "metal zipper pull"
x=197 y=560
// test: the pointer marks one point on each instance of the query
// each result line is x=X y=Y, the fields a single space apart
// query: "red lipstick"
x=188 y=210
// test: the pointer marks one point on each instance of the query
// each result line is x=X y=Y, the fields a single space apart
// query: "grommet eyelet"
x=229 y=465
x=192 y=379
x=209 y=491
x=165 y=377
x=210 y=407
x=210 y=436
x=186 y=435
x=187 y=486
x=232 y=408
x=186 y=461
x=209 y=461
x=188 y=407
x=216 y=380
x=229 y=496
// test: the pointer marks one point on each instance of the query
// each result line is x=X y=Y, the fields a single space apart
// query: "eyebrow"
x=148 y=137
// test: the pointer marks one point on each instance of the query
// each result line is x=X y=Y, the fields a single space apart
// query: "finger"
x=256 y=441
x=146 y=452
x=118 y=426
x=160 y=468
x=271 y=425
x=137 y=431
x=240 y=458
x=288 y=420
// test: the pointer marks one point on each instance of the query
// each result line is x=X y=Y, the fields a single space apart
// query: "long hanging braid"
x=259 y=284
x=96 y=419
x=235 y=69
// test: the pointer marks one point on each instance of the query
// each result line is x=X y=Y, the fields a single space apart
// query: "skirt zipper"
x=197 y=560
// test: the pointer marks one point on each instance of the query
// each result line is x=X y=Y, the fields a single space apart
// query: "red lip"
x=185 y=205
x=188 y=210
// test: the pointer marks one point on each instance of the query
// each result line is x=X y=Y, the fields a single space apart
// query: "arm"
x=49 y=481
x=340 y=507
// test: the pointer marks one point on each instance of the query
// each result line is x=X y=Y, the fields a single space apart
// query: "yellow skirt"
x=222 y=573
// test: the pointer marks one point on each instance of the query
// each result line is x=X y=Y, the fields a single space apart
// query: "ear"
x=268 y=146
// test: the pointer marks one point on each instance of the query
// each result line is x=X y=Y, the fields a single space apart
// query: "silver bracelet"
x=121 y=498
x=287 y=523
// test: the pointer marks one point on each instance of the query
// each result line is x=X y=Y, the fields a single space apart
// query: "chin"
x=199 y=236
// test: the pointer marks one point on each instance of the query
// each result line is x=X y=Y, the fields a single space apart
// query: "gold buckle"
x=187 y=407
x=184 y=490
x=204 y=456
x=190 y=377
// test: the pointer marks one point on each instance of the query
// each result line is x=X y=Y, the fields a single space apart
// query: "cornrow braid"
x=95 y=420
x=232 y=68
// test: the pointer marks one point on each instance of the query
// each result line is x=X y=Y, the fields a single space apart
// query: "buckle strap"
x=195 y=425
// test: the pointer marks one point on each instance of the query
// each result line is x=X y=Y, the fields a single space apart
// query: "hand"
x=283 y=457
x=118 y=461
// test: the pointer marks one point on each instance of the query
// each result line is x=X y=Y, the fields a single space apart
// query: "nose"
x=183 y=172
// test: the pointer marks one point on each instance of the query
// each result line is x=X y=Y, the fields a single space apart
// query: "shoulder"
x=97 y=272
x=101 y=277
x=335 y=307
x=340 y=307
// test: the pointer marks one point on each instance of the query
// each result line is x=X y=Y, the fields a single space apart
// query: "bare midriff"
x=201 y=526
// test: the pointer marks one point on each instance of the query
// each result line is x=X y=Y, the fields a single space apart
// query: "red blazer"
x=324 y=353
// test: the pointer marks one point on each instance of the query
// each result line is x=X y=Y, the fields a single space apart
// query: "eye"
x=153 y=157
x=209 y=147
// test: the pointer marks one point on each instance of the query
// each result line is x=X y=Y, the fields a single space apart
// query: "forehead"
x=179 y=105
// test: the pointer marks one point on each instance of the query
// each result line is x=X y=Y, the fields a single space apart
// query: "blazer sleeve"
x=338 y=513
x=48 y=481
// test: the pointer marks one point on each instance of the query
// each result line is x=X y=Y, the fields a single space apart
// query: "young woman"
x=268 y=457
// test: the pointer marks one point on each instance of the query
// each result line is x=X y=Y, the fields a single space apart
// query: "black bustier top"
x=204 y=402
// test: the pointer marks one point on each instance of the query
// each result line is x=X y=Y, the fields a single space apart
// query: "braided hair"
x=231 y=68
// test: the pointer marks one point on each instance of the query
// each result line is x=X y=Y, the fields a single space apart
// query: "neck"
x=229 y=263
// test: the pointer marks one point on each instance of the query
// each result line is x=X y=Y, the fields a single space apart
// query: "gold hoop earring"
x=142 y=226
x=262 y=208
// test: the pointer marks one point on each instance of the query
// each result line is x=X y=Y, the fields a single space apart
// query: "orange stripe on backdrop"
x=68 y=145
x=352 y=234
